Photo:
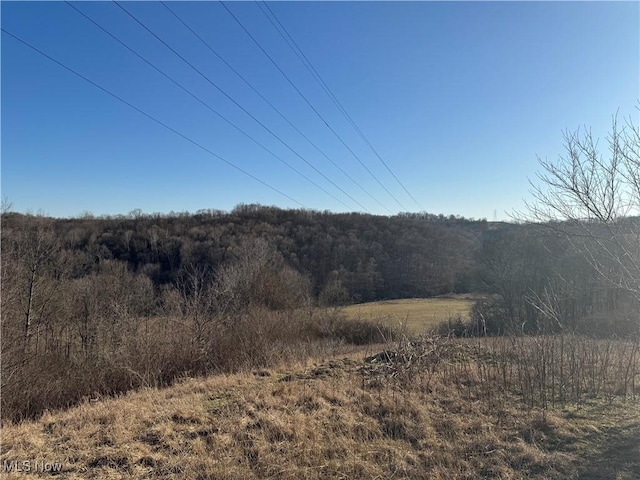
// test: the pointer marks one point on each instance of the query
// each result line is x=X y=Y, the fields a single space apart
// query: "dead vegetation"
x=422 y=409
x=110 y=332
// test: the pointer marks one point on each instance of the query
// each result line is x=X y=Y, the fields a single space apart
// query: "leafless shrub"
x=454 y=326
x=542 y=371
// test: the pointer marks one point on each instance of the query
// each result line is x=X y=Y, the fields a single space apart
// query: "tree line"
x=533 y=273
x=370 y=257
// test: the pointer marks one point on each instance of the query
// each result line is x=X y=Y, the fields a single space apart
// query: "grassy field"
x=340 y=417
x=418 y=314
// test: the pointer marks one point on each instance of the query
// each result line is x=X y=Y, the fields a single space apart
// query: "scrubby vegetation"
x=430 y=408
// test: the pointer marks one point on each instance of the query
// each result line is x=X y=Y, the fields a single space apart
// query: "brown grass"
x=337 y=418
x=416 y=314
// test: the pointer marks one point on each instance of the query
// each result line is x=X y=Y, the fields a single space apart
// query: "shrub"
x=361 y=332
x=489 y=317
x=454 y=326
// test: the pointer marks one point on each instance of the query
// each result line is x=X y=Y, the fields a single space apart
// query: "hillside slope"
x=335 y=419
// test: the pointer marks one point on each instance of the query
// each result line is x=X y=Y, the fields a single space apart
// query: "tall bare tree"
x=592 y=197
x=29 y=257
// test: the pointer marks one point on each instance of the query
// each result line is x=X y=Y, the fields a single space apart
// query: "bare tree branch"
x=593 y=200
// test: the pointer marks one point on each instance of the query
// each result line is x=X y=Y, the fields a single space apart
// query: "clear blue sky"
x=458 y=98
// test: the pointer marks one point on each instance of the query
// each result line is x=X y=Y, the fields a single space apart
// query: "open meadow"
x=415 y=314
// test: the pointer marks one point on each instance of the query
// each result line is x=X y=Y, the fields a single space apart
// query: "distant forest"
x=525 y=271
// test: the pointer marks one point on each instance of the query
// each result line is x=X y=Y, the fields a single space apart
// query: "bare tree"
x=29 y=263
x=5 y=205
x=259 y=276
x=593 y=199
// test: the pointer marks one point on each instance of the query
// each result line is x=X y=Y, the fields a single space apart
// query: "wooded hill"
x=347 y=258
x=373 y=257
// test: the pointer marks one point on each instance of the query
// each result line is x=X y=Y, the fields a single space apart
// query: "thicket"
x=542 y=371
x=536 y=281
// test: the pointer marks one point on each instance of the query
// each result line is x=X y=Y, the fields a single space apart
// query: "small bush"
x=489 y=317
x=453 y=327
x=363 y=332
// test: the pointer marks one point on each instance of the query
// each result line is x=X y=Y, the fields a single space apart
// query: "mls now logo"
x=30 y=466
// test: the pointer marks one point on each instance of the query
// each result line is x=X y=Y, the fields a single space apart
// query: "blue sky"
x=458 y=98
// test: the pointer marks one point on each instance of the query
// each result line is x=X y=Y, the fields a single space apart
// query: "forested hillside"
x=346 y=258
x=372 y=257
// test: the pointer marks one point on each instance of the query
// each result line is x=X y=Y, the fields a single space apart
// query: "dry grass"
x=415 y=314
x=330 y=419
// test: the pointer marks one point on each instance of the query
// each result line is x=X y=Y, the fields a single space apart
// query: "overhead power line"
x=257 y=92
x=307 y=63
x=191 y=94
x=149 y=116
x=311 y=106
x=212 y=83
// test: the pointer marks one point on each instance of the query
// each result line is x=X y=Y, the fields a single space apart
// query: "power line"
x=222 y=59
x=203 y=103
x=237 y=104
x=149 y=116
x=307 y=63
x=311 y=106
